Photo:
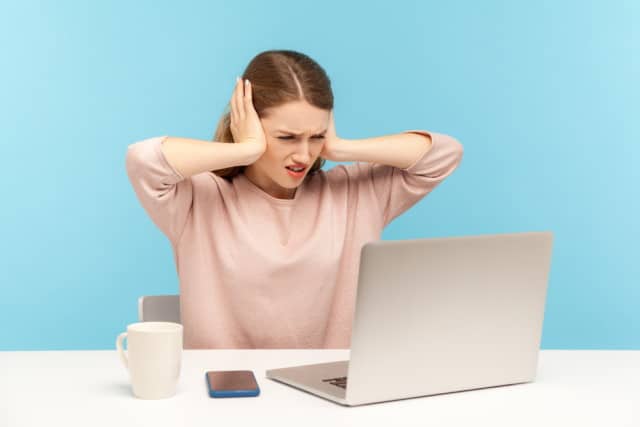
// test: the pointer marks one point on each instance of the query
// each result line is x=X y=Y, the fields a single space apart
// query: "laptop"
x=438 y=315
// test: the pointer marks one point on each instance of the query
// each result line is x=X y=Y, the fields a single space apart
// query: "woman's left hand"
x=332 y=142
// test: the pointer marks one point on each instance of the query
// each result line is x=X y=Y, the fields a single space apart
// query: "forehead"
x=296 y=117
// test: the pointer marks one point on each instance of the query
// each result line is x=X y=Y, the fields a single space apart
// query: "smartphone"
x=231 y=384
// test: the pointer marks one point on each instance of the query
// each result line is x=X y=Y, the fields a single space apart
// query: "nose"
x=303 y=154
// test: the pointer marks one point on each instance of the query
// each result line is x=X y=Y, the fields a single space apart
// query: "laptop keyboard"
x=339 y=381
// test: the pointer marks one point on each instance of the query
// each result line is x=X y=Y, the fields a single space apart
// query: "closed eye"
x=290 y=137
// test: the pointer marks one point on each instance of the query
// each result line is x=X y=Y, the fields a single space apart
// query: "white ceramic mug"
x=154 y=357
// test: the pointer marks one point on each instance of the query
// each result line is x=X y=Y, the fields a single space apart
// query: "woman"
x=266 y=243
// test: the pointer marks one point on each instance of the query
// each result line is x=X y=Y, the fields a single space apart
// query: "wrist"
x=252 y=150
x=340 y=150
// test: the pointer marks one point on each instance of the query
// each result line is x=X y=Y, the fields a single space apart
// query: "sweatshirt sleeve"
x=164 y=194
x=395 y=190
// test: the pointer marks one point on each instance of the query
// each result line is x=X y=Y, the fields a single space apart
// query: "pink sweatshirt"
x=260 y=272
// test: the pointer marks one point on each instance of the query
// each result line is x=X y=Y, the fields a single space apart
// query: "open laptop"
x=438 y=315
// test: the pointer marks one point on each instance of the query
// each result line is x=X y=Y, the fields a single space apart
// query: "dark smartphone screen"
x=232 y=383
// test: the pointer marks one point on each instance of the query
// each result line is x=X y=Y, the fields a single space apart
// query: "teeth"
x=296 y=169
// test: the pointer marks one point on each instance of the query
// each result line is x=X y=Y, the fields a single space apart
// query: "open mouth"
x=296 y=172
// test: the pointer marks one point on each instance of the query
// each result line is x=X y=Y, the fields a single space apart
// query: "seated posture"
x=266 y=243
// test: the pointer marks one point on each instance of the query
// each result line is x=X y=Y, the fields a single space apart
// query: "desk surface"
x=91 y=388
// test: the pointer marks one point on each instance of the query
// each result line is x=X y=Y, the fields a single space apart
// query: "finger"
x=234 y=107
x=239 y=101
x=331 y=123
x=248 y=96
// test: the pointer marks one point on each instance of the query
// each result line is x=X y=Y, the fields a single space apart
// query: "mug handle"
x=120 y=349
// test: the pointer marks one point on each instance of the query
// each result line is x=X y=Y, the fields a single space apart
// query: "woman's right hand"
x=245 y=123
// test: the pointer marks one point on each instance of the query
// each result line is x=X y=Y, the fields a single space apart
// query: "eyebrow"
x=297 y=134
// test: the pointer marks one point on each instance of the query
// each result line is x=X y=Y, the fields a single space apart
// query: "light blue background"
x=543 y=95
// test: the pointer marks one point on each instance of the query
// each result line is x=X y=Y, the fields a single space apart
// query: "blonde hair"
x=278 y=77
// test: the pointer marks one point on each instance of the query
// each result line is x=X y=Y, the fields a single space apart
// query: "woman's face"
x=295 y=136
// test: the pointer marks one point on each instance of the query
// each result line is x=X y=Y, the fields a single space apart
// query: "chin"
x=289 y=185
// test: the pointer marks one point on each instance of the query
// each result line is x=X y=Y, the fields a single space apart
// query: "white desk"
x=91 y=388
